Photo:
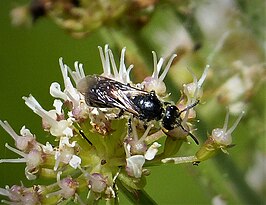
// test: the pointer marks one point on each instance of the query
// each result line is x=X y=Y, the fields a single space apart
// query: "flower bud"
x=155 y=82
x=68 y=187
x=220 y=139
x=21 y=195
x=134 y=165
x=97 y=182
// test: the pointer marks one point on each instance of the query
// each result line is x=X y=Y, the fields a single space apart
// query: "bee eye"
x=171 y=108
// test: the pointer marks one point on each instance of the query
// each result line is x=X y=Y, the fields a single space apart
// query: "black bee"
x=104 y=92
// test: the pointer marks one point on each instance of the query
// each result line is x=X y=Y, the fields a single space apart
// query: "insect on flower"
x=103 y=92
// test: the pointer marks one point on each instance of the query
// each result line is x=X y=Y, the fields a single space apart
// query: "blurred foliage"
x=229 y=35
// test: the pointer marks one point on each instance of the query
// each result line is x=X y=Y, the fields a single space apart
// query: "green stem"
x=91 y=199
x=181 y=160
x=138 y=197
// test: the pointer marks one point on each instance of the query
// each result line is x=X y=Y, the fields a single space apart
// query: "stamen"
x=113 y=63
x=235 y=124
x=159 y=67
x=122 y=68
x=134 y=131
x=16 y=151
x=166 y=69
x=226 y=122
x=155 y=72
x=203 y=76
x=9 y=129
x=20 y=160
x=218 y=46
x=145 y=133
x=105 y=60
x=63 y=68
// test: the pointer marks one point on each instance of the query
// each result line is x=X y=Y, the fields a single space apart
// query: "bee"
x=103 y=92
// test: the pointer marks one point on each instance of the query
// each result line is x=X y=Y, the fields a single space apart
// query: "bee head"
x=171 y=117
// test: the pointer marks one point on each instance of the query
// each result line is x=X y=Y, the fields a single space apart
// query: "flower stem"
x=137 y=197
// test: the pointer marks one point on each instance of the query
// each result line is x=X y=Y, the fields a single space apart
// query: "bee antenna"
x=189 y=107
x=194 y=138
x=190 y=134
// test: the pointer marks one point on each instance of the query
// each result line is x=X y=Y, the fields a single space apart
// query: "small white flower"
x=134 y=165
x=193 y=90
x=75 y=161
x=70 y=95
x=23 y=141
x=5 y=192
x=232 y=89
x=56 y=128
x=192 y=94
x=152 y=151
x=48 y=148
x=123 y=74
x=62 y=128
x=97 y=182
x=65 y=141
x=223 y=136
x=78 y=74
x=71 y=92
x=213 y=19
x=251 y=75
x=136 y=145
x=65 y=153
x=58 y=106
x=108 y=62
x=20 y=195
x=67 y=186
x=155 y=82
x=32 y=159
x=56 y=92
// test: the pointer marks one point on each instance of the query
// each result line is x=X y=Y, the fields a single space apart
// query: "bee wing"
x=125 y=102
x=104 y=92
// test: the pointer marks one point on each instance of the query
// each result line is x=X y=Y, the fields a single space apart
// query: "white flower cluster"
x=110 y=149
x=55 y=121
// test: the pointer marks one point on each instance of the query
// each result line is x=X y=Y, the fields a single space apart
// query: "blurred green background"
x=29 y=64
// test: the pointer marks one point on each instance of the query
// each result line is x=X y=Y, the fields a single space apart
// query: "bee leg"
x=84 y=136
x=145 y=125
